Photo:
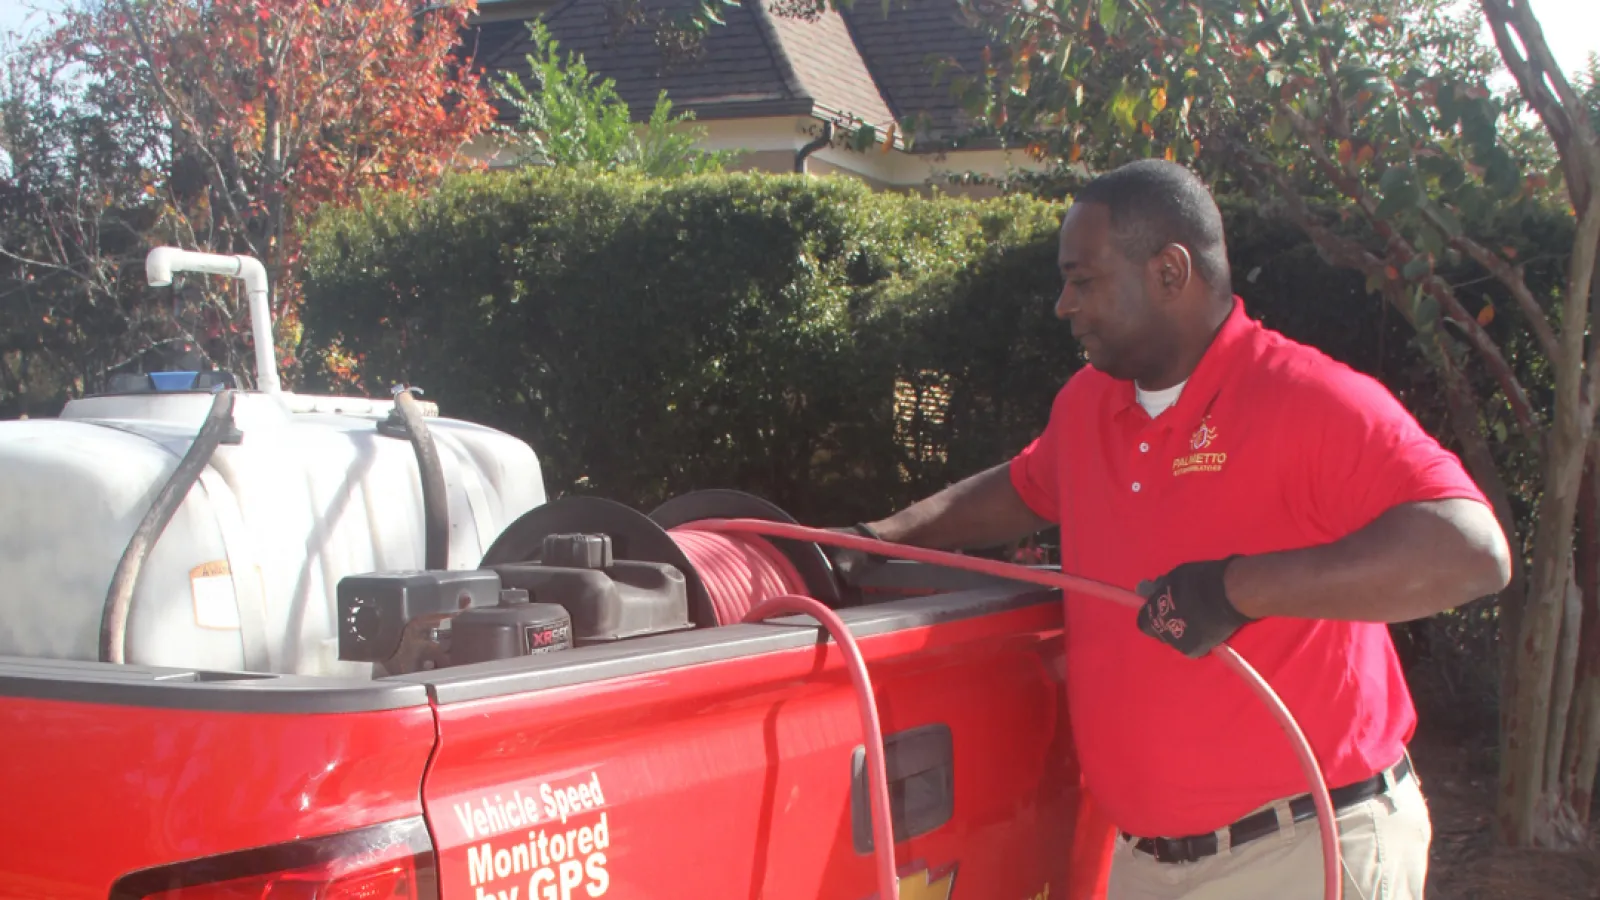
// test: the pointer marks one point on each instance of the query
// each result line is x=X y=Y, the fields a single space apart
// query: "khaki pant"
x=1384 y=840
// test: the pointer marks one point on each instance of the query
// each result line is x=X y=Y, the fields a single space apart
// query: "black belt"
x=1257 y=826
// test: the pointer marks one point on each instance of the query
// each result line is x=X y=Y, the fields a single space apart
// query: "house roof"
x=915 y=48
x=866 y=64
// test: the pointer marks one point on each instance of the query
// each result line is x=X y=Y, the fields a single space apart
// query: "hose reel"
x=725 y=574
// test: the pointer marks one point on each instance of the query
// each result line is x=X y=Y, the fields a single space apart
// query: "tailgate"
x=108 y=770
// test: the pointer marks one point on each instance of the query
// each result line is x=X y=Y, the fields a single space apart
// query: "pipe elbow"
x=253 y=273
x=158 y=266
x=161 y=262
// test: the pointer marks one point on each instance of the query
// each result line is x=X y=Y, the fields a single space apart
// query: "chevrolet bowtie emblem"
x=925 y=885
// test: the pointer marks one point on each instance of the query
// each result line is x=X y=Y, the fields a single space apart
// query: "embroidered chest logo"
x=1201 y=458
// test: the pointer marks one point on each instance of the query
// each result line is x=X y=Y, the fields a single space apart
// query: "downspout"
x=163 y=261
x=814 y=146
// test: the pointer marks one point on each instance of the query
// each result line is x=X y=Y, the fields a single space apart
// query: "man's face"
x=1104 y=295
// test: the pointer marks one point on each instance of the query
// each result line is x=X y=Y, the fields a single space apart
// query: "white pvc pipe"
x=161 y=262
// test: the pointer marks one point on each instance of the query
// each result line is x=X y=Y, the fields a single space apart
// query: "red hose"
x=1331 y=857
x=740 y=571
x=877 y=776
x=750 y=580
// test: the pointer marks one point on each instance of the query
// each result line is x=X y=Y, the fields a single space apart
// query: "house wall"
x=781 y=161
x=822 y=167
x=769 y=144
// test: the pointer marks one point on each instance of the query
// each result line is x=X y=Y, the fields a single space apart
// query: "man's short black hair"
x=1154 y=203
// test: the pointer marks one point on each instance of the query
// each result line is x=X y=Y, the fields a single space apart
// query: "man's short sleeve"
x=1035 y=472
x=1368 y=454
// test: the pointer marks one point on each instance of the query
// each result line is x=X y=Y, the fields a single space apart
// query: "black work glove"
x=850 y=562
x=1188 y=608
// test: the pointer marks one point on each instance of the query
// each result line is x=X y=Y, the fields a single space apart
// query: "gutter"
x=822 y=141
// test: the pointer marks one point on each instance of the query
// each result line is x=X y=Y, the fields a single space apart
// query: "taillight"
x=392 y=861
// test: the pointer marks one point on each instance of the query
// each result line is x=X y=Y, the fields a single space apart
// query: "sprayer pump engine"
x=576 y=594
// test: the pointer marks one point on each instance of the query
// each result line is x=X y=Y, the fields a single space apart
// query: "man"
x=1255 y=491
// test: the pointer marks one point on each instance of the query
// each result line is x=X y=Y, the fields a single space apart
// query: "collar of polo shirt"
x=1157 y=402
x=1192 y=398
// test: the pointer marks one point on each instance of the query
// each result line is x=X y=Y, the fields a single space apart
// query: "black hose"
x=435 y=502
x=119 y=599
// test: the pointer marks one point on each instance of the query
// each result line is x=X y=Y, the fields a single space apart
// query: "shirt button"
x=1144 y=447
x=1136 y=487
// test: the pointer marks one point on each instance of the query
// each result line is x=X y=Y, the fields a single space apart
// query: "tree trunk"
x=1527 y=814
x=17 y=382
x=1561 y=682
x=1580 y=760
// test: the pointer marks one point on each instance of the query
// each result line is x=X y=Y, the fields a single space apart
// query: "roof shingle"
x=873 y=64
x=904 y=46
x=735 y=65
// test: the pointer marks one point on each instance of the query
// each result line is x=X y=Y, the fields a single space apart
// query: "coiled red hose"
x=746 y=574
x=740 y=571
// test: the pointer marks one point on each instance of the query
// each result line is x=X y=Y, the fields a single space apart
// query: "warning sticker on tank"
x=547 y=842
x=211 y=585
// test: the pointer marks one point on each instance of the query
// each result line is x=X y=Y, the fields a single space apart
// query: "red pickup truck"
x=707 y=762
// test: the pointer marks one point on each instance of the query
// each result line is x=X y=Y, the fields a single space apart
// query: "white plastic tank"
x=244 y=577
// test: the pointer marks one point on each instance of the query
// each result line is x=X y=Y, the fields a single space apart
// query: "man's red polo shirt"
x=1271 y=446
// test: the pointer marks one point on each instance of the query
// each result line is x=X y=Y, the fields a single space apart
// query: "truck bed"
x=718 y=762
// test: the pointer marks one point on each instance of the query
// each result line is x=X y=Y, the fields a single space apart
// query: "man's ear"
x=1171 y=270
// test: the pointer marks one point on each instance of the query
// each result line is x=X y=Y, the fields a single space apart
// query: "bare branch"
x=1534 y=80
x=1538 y=49
x=1404 y=253
x=1489 y=350
x=1344 y=252
x=1534 y=89
x=187 y=127
x=1336 y=108
x=43 y=264
x=1510 y=276
x=1343 y=179
x=1585 y=248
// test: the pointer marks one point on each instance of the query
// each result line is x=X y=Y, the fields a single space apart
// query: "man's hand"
x=1188 y=608
x=983 y=510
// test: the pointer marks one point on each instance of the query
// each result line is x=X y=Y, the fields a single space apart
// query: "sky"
x=23 y=15
x=1572 y=27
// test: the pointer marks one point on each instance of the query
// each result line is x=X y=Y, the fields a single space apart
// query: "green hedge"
x=653 y=337
x=649 y=338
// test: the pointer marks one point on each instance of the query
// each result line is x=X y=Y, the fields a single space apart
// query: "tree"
x=270 y=109
x=568 y=118
x=1372 y=126
x=77 y=199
